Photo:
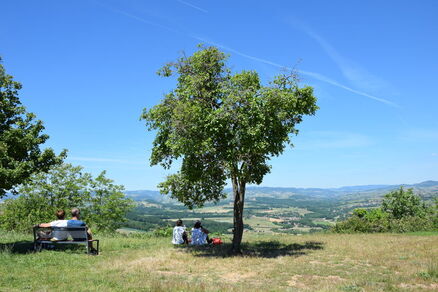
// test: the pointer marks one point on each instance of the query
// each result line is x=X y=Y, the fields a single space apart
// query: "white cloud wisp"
x=193 y=6
x=314 y=75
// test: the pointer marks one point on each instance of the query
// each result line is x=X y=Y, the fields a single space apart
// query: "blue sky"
x=88 y=69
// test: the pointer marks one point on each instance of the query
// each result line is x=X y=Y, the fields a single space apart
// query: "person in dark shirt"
x=75 y=221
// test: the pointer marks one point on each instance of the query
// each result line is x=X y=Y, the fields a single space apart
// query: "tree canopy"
x=20 y=138
x=222 y=125
x=103 y=204
x=402 y=203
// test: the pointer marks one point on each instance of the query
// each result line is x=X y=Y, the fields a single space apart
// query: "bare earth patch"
x=236 y=276
x=432 y=286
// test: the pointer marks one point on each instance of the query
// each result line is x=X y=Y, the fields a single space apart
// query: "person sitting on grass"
x=199 y=234
x=179 y=233
x=61 y=222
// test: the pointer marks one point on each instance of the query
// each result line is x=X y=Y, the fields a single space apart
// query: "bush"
x=356 y=224
x=411 y=224
x=401 y=211
x=401 y=203
x=163 y=232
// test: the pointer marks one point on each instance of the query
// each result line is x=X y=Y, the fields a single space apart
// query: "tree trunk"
x=239 y=200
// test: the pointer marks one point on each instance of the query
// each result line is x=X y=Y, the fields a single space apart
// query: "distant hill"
x=426 y=189
x=145 y=195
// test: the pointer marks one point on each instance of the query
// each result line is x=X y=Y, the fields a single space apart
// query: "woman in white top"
x=199 y=234
x=179 y=233
x=61 y=222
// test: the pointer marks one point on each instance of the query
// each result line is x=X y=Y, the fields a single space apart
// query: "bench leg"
x=37 y=246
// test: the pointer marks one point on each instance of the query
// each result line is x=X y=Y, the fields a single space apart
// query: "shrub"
x=163 y=231
x=361 y=224
x=401 y=203
x=401 y=211
x=411 y=224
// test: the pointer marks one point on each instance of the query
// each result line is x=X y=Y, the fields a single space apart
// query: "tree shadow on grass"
x=26 y=246
x=18 y=247
x=261 y=249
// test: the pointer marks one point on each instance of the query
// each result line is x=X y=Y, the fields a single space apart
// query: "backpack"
x=216 y=241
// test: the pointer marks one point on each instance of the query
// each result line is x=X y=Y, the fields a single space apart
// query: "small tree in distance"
x=108 y=204
x=402 y=203
x=222 y=126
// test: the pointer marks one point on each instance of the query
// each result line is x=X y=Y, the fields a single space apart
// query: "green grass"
x=423 y=233
x=271 y=262
x=126 y=230
x=288 y=210
x=260 y=224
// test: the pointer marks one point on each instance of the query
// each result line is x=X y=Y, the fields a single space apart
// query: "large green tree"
x=103 y=204
x=222 y=125
x=20 y=138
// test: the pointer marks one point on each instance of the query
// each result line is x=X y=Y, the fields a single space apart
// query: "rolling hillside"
x=426 y=189
x=287 y=210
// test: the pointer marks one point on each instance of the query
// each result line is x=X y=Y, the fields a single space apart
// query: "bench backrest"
x=77 y=233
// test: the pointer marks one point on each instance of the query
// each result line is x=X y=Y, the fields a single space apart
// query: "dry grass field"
x=271 y=262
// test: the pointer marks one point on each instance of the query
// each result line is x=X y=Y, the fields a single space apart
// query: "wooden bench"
x=76 y=235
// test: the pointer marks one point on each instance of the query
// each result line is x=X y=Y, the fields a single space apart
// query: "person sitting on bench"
x=76 y=222
x=199 y=234
x=61 y=222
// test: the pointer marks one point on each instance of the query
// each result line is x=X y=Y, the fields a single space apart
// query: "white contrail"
x=193 y=6
x=335 y=83
x=137 y=18
x=314 y=75
x=349 y=69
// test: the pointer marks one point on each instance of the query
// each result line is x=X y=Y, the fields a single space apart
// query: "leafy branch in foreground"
x=20 y=139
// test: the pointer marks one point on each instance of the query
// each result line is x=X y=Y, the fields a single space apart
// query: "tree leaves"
x=20 y=139
x=103 y=204
x=222 y=125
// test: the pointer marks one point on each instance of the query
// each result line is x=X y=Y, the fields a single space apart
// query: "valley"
x=268 y=210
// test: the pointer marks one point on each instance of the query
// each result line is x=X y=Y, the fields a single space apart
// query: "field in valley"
x=268 y=210
x=271 y=262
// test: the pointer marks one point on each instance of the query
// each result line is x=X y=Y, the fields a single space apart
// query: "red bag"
x=217 y=241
